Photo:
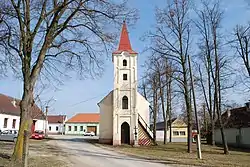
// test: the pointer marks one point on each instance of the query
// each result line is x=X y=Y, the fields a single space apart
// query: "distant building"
x=179 y=131
x=10 y=115
x=236 y=124
x=83 y=122
x=56 y=124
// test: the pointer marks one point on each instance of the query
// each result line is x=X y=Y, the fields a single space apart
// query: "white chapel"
x=124 y=112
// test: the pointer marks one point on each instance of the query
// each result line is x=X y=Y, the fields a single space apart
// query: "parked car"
x=38 y=134
x=88 y=134
x=9 y=135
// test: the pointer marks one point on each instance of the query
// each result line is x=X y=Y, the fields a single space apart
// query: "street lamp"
x=46 y=116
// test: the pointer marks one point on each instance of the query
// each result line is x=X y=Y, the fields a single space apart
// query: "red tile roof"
x=56 y=118
x=124 y=44
x=7 y=107
x=85 y=118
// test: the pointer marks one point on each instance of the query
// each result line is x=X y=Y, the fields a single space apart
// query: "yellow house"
x=179 y=131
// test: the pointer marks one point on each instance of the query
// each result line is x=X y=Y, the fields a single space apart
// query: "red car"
x=38 y=134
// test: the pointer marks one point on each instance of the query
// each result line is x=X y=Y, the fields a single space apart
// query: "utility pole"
x=46 y=121
x=198 y=142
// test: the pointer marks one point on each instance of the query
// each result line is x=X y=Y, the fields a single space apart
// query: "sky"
x=82 y=96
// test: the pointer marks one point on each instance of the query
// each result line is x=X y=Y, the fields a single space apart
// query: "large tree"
x=214 y=62
x=172 y=40
x=51 y=37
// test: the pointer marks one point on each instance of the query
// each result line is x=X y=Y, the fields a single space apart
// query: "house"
x=10 y=115
x=83 y=122
x=56 y=124
x=179 y=131
x=124 y=112
x=236 y=124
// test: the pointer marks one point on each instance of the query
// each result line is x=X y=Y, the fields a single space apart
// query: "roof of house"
x=85 y=118
x=56 y=118
x=11 y=106
x=124 y=44
x=235 y=118
x=160 y=125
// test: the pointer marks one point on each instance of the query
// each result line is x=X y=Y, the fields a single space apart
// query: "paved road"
x=83 y=154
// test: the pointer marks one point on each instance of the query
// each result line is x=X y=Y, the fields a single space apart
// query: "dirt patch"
x=41 y=154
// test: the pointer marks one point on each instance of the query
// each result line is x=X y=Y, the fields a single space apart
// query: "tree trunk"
x=155 y=101
x=164 y=114
x=188 y=106
x=224 y=140
x=212 y=133
x=25 y=123
x=168 y=111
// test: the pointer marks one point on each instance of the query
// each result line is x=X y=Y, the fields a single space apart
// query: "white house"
x=56 y=124
x=236 y=127
x=10 y=115
x=124 y=113
x=83 y=122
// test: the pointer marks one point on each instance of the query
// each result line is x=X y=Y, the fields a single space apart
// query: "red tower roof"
x=124 y=44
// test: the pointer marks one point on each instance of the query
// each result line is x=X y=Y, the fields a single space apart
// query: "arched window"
x=125 y=102
x=124 y=62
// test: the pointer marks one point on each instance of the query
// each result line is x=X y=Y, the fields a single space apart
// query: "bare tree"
x=172 y=39
x=210 y=17
x=241 y=43
x=53 y=36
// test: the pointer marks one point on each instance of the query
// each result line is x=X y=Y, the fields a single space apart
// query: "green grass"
x=41 y=155
x=176 y=153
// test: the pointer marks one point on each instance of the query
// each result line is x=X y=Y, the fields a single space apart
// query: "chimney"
x=14 y=102
x=247 y=105
x=228 y=113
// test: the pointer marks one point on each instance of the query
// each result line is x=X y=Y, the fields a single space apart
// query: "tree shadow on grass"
x=5 y=156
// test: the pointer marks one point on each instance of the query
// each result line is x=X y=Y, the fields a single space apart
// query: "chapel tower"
x=125 y=114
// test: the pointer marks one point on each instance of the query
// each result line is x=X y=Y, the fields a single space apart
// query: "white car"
x=88 y=134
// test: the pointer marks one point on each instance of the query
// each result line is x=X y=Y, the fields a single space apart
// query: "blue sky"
x=74 y=90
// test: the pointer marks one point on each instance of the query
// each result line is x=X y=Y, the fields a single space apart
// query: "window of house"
x=125 y=77
x=75 y=128
x=175 y=133
x=56 y=128
x=5 y=122
x=124 y=62
x=125 y=102
x=49 y=128
x=81 y=128
x=182 y=133
x=14 y=124
x=69 y=128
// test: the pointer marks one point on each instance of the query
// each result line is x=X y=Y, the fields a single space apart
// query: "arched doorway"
x=125 y=133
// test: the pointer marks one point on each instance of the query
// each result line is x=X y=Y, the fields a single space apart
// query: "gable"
x=142 y=98
x=106 y=99
x=178 y=123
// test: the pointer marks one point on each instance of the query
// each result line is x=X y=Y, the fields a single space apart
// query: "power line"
x=87 y=100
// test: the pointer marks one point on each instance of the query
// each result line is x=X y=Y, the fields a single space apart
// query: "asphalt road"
x=84 y=154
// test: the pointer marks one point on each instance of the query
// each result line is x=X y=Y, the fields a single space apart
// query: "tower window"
x=125 y=102
x=125 y=77
x=124 y=62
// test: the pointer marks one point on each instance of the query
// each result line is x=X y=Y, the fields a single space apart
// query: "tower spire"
x=124 y=44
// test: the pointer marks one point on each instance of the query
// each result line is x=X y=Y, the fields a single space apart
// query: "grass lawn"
x=40 y=154
x=176 y=153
